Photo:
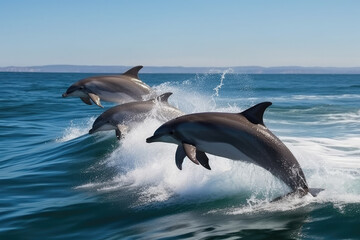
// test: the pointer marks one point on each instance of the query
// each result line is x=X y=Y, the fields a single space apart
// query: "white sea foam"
x=342 y=118
x=152 y=167
x=185 y=98
x=255 y=205
x=332 y=164
x=150 y=170
x=336 y=153
x=76 y=130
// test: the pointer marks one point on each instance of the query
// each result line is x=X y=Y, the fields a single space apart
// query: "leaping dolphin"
x=118 y=88
x=240 y=136
x=119 y=118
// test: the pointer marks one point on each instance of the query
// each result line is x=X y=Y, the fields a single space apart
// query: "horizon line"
x=179 y=66
x=69 y=68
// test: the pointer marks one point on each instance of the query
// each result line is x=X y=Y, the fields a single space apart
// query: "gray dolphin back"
x=120 y=88
x=134 y=112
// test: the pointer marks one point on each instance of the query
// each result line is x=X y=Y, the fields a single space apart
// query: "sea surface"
x=59 y=182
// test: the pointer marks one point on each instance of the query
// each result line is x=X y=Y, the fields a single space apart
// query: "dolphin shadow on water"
x=237 y=136
x=122 y=88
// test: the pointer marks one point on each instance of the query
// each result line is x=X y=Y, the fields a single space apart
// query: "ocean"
x=58 y=182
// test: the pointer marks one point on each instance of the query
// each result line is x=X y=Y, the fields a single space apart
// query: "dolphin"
x=117 y=88
x=119 y=118
x=237 y=136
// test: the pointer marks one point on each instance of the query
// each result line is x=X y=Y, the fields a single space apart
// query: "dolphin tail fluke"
x=315 y=191
x=133 y=72
x=96 y=99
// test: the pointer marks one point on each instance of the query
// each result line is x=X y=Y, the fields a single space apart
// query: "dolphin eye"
x=172 y=132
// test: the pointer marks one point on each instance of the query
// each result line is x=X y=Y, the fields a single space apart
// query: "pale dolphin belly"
x=222 y=149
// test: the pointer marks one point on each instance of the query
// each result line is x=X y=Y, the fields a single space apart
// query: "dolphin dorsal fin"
x=164 y=97
x=133 y=72
x=255 y=114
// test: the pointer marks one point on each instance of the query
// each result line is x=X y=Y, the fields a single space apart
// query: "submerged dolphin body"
x=242 y=136
x=119 y=118
x=118 y=88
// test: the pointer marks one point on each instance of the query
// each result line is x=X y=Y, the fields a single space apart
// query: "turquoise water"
x=58 y=182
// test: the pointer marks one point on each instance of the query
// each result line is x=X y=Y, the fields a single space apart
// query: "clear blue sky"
x=180 y=32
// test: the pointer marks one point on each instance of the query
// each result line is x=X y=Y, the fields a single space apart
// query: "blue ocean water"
x=58 y=182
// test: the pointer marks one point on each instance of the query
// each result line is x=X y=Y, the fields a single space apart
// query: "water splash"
x=222 y=78
x=150 y=172
x=76 y=129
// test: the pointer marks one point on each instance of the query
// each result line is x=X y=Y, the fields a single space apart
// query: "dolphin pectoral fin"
x=95 y=98
x=255 y=114
x=118 y=133
x=86 y=100
x=194 y=155
x=203 y=159
x=121 y=130
x=190 y=151
x=179 y=156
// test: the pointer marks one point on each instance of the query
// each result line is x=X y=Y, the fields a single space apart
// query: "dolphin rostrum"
x=117 y=88
x=237 y=136
x=119 y=118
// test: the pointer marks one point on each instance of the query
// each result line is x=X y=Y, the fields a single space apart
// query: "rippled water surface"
x=58 y=182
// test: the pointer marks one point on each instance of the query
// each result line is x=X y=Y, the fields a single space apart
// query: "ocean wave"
x=340 y=152
x=76 y=129
x=149 y=170
x=315 y=117
x=254 y=205
x=294 y=98
x=326 y=97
